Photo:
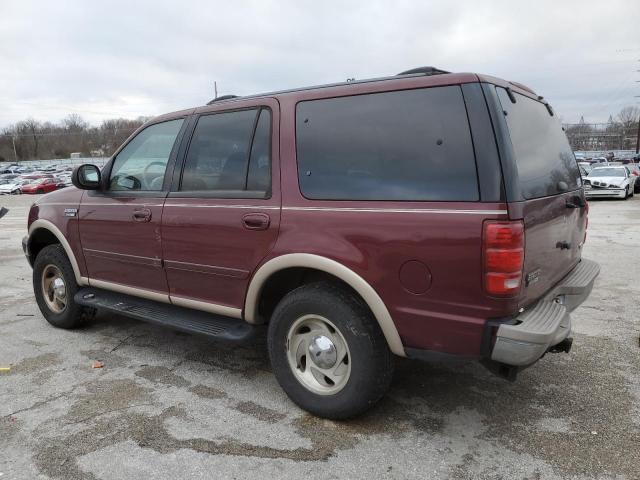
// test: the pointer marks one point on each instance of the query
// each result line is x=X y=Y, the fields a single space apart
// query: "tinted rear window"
x=405 y=145
x=543 y=156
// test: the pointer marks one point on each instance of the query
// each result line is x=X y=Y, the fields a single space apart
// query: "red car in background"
x=42 y=185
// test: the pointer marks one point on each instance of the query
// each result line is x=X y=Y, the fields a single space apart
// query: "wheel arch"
x=42 y=233
x=333 y=268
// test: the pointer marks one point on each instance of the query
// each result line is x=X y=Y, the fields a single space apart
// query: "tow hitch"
x=563 y=346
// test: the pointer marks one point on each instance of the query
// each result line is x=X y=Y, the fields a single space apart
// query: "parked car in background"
x=634 y=169
x=598 y=160
x=7 y=177
x=14 y=187
x=42 y=185
x=586 y=166
x=62 y=182
x=35 y=176
x=611 y=181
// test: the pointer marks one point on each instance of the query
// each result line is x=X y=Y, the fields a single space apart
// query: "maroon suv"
x=425 y=213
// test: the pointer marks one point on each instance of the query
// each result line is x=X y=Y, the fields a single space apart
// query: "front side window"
x=142 y=163
x=411 y=145
x=230 y=152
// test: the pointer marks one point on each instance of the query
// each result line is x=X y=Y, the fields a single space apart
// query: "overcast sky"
x=125 y=59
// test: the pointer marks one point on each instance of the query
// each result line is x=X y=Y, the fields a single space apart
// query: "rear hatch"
x=553 y=205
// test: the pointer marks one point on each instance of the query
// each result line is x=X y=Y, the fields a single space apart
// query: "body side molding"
x=47 y=225
x=128 y=290
x=332 y=267
x=206 y=306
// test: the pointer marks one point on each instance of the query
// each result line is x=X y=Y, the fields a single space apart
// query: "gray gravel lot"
x=168 y=405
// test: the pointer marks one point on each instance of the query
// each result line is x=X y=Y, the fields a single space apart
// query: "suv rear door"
x=223 y=213
x=544 y=178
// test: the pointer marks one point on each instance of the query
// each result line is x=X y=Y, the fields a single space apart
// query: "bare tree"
x=36 y=140
x=74 y=123
x=33 y=126
x=628 y=116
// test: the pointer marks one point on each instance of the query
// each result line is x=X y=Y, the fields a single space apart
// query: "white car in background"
x=612 y=181
x=14 y=187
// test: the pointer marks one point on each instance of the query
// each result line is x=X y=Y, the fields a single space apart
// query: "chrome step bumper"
x=524 y=340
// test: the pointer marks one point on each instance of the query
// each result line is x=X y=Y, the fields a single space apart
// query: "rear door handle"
x=141 y=215
x=256 y=221
x=575 y=202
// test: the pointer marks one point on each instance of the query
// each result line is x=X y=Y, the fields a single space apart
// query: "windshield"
x=545 y=162
x=608 y=172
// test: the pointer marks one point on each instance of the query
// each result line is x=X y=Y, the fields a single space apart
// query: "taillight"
x=503 y=257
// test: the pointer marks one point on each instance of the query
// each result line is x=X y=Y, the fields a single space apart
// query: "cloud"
x=116 y=58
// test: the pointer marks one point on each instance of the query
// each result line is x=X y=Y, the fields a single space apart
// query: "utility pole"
x=15 y=154
x=215 y=89
x=638 y=137
x=638 y=133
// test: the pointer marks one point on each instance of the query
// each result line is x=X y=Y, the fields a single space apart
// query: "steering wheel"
x=145 y=173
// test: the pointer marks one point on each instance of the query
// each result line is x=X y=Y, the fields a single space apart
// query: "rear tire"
x=328 y=352
x=54 y=286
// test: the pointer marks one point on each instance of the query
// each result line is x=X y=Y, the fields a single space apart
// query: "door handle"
x=256 y=221
x=141 y=215
x=575 y=202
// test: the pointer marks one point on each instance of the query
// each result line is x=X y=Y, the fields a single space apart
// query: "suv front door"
x=222 y=216
x=120 y=224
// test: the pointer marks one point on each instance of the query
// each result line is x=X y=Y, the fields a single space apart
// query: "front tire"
x=328 y=352
x=54 y=286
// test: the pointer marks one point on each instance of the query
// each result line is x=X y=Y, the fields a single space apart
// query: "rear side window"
x=230 y=152
x=404 y=145
x=545 y=162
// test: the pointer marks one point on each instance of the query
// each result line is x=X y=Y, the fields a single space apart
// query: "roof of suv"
x=424 y=77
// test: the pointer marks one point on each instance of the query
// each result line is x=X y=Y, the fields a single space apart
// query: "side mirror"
x=86 y=177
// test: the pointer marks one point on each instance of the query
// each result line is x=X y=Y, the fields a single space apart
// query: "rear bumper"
x=523 y=340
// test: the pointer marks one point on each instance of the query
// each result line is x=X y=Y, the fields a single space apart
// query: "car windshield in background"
x=607 y=172
x=546 y=164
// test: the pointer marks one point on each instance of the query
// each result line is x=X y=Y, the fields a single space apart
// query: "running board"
x=172 y=316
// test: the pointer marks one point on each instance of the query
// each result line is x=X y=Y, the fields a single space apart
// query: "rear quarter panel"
x=375 y=239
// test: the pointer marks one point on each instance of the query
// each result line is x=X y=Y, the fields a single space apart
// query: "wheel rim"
x=318 y=355
x=54 y=289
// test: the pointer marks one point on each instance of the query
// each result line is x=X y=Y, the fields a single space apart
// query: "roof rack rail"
x=223 y=97
x=424 y=71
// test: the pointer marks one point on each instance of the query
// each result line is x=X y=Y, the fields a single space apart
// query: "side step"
x=172 y=316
